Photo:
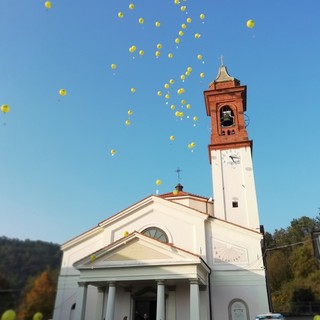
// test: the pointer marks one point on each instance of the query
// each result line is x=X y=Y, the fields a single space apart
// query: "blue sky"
x=57 y=176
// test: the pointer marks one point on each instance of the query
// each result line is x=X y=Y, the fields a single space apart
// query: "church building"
x=178 y=256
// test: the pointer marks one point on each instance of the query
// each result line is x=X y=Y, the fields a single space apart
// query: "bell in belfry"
x=227 y=118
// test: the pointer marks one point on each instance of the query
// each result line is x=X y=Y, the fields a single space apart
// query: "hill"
x=21 y=261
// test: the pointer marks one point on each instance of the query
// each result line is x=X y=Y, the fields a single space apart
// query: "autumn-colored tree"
x=39 y=296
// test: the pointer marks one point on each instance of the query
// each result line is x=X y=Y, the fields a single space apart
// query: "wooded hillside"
x=20 y=264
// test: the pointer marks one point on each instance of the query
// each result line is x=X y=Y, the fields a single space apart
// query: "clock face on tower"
x=231 y=157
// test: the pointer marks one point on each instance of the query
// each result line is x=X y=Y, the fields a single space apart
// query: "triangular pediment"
x=137 y=250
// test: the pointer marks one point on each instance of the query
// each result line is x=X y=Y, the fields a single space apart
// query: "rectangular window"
x=235 y=204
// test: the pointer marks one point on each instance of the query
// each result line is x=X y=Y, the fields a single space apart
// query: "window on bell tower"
x=226 y=117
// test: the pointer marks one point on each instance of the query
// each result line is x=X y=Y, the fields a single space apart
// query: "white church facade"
x=178 y=256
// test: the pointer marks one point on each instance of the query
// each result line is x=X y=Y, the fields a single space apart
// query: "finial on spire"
x=178 y=173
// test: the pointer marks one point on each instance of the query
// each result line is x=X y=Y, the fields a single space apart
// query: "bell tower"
x=230 y=152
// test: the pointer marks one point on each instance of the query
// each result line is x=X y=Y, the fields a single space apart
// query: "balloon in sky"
x=157 y=53
x=195 y=118
x=250 y=24
x=62 y=92
x=172 y=107
x=113 y=66
x=133 y=90
x=8 y=315
x=171 y=138
x=37 y=316
x=183 y=8
x=130 y=112
x=159 y=45
x=127 y=122
x=48 y=4
x=131 y=6
x=202 y=16
x=157 y=24
x=199 y=56
x=170 y=55
x=189 y=20
x=141 y=20
x=159 y=93
x=158 y=182
x=113 y=152
x=202 y=75
x=5 y=108
x=141 y=52
x=197 y=35
x=120 y=15
x=181 y=33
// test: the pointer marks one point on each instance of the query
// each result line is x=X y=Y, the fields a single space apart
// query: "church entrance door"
x=145 y=309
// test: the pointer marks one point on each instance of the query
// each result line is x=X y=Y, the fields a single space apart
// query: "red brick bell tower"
x=226 y=103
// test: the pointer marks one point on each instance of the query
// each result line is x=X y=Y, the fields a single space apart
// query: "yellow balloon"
x=37 y=316
x=133 y=90
x=48 y=4
x=181 y=33
x=195 y=118
x=188 y=106
x=159 y=45
x=62 y=92
x=131 y=6
x=113 y=66
x=202 y=75
x=166 y=85
x=8 y=315
x=157 y=24
x=157 y=53
x=199 y=56
x=189 y=69
x=158 y=182
x=202 y=16
x=189 y=20
x=183 y=101
x=130 y=112
x=250 y=24
x=159 y=93
x=128 y=122
x=177 y=40
x=181 y=114
x=176 y=1
x=171 y=81
x=172 y=107
x=170 y=55
x=197 y=35
x=183 y=8
x=113 y=152
x=184 y=26
x=5 y=108
x=177 y=113
x=120 y=15
x=126 y=233
x=167 y=96
x=141 y=20
x=141 y=52
x=182 y=77
x=171 y=138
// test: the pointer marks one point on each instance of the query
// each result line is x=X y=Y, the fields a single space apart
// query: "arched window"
x=156 y=233
x=226 y=117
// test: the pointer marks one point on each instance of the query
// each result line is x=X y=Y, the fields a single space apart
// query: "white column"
x=160 y=301
x=172 y=303
x=111 y=301
x=194 y=300
x=100 y=300
x=81 y=301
